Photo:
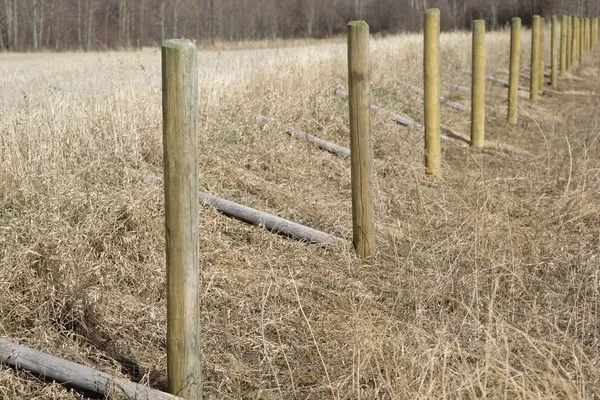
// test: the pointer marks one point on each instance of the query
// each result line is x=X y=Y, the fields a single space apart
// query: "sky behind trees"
x=29 y=25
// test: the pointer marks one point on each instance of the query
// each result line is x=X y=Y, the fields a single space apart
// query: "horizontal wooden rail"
x=75 y=375
x=443 y=101
x=270 y=222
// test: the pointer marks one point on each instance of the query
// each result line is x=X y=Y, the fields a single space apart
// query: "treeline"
x=100 y=24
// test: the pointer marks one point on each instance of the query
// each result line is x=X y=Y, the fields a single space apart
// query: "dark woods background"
x=100 y=24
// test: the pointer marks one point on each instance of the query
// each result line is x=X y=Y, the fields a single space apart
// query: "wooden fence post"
x=541 y=75
x=180 y=139
x=563 y=46
x=574 y=43
x=515 y=62
x=361 y=161
x=569 y=28
x=581 y=39
x=535 y=56
x=431 y=64
x=588 y=27
x=478 y=85
x=554 y=53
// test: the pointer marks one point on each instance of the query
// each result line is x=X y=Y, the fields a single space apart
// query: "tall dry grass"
x=485 y=284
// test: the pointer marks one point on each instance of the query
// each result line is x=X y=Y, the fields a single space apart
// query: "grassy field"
x=485 y=284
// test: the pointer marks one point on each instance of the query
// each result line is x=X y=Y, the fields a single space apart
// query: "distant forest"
x=29 y=25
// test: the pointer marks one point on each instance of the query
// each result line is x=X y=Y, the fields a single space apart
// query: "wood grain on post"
x=515 y=65
x=542 y=37
x=431 y=77
x=180 y=139
x=563 y=46
x=535 y=55
x=554 y=53
x=478 y=85
x=569 y=28
x=363 y=209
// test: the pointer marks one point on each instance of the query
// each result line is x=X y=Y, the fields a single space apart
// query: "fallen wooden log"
x=317 y=142
x=443 y=101
x=272 y=223
x=75 y=375
x=460 y=88
x=499 y=81
x=395 y=117
x=399 y=119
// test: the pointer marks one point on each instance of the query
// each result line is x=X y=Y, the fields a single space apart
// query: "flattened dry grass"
x=485 y=284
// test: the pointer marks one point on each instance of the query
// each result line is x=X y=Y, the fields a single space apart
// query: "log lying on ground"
x=397 y=118
x=524 y=75
x=75 y=375
x=500 y=81
x=272 y=223
x=443 y=100
x=317 y=142
x=461 y=88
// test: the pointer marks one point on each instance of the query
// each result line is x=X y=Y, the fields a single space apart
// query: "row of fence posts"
x=180 y=109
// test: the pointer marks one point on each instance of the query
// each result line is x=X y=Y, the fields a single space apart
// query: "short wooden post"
x=431 y=62
x=515 y=62
x=180 y=139
x=541 y=75
x=361 y=164
x=563 y=46
x=478 y=85
x=535 y=56
x=554 y=53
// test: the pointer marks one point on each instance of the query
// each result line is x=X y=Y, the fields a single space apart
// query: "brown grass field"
x=485 y=284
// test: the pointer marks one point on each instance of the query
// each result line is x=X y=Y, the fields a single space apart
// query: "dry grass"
x=485 y=284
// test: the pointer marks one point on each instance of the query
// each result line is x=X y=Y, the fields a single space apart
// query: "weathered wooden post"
x=574 y=43
x=515 y=62
x=569 y=40
x=563 y=46
x=588 y=34
x=431 y=64
x=541 y=76
x=581 y=39
x=363 y=210
x=535 y=63
x=554 y=53
x=478 y=85
x=180 y=139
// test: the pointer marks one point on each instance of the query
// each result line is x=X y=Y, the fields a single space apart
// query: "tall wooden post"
x=478 y=85
x=535 y=57
x=569 y=40
x=581 y=40
x=541 y=76
x=515 y=62
x=588 y=34
x=360 y=140
x=574 y=43
x=180 y=139
x=563 y=46
x=554 y=53
x=431 y=63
